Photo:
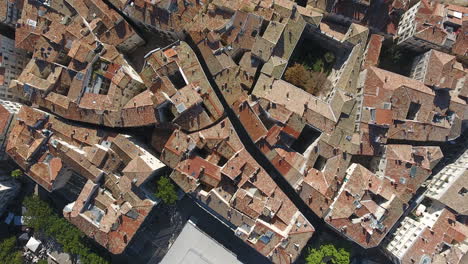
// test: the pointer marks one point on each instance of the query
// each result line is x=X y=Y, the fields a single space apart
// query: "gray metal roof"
x=195 y=247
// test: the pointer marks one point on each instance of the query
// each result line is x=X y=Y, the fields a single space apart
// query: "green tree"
x=42 y=261
x=166 y=191
x=315 y=256
x=16 y=173
x=8 y=253
x=328 y=253
x=318 y=66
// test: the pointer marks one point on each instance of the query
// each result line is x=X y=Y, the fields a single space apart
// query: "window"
x=413 y=111
x=372 y=114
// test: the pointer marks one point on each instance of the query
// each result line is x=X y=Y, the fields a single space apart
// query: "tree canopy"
x=313 y=82
x=43 y=219
x=8 y=252
x=166 y=191
x=328 y=253
x=16 y=173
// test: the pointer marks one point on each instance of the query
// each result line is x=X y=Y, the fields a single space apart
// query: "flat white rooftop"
x=192 y=246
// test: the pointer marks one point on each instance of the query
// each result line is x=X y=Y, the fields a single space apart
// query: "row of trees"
x=44 y=220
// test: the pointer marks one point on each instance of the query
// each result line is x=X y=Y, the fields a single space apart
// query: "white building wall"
x=410 y=230
x=419 y=67
x=12 y=107
x=440 y=183
x=407 y=26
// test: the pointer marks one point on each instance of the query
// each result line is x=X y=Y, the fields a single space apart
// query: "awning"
x=33 y=244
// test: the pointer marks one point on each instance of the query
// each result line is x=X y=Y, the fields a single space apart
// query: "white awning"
x=33 y=244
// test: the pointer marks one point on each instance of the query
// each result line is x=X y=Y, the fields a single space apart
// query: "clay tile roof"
x=234 y=166
x=443 y=70
x=334 y=30
x=373 y=50
x=194 y=167
x=45 y=173
x=273 y=133
x=383 y=116
x=391 y=81
x=263 y=182
x=30 y=116
x=170 y=53
x=95 y=101
x=433 y=34
x=400 y=152
x=293 y=98
x=250 y=120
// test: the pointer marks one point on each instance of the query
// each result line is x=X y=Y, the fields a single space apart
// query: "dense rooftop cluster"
x=318 y=143
x=101 y=171
x=213 y=165
x=355 y=152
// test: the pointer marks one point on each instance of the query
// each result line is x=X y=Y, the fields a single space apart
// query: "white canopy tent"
x=33 y=244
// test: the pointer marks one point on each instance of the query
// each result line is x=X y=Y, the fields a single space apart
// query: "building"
x=213 y=166
x=433 y=236
x=194 y=246
x=455 y=16
x=165 y=20
x=422 y=114
x=365 y=208
x=368 y=204
x=450 y=185
x=8 y=110
x=83 y=74
x=12 y=63
x=440 y=71
x=380 y=17
x=437 y=231
x=430 y=25
x=353 y=143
